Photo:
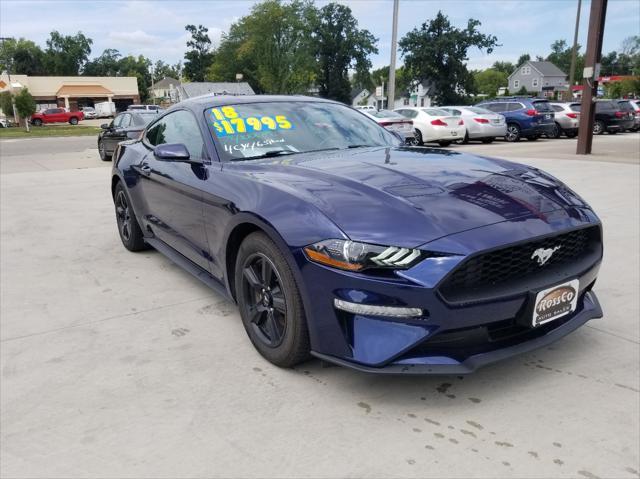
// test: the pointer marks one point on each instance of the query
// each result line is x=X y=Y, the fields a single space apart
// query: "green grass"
x=48 y=131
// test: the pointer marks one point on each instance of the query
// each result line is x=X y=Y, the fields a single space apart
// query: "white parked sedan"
x=482 y=124
x=433 y=124
x=394 y=122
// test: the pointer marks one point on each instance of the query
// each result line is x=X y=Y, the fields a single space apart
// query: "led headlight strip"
x=370 y=310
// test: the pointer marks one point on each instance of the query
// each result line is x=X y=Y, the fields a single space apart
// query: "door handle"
x=145 y=169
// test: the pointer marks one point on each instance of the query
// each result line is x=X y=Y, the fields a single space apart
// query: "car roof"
x=210 y=100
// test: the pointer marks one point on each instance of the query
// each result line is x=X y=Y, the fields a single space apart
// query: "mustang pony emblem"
x=544 y=254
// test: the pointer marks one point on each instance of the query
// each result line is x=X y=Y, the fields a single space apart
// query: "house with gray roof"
x=190 y=90
x=543 y=78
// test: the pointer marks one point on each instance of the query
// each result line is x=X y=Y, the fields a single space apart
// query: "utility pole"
x=590 y=75
x=574 y=52
x=391 y=95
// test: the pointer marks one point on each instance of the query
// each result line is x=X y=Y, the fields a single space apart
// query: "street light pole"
x=591 y=73
x=574 y=52
x=391 y=95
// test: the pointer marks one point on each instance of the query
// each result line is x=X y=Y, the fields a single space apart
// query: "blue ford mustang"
x=337 y=241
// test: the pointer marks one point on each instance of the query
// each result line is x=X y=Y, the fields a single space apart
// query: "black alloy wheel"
x=270 y=303
x=128 y=228
x=263 y=296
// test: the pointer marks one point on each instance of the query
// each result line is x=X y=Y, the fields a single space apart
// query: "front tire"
x=532 y=138
x=598 y=127
x=486 y=141
x=444 y=143
x=128 y=227
x=418 y=138
x=37 y=122
x=270 y=303
x=557 y=131
x=513 y=133
x=73 y=121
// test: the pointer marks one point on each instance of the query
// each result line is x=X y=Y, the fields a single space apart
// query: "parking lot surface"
x=117 y=364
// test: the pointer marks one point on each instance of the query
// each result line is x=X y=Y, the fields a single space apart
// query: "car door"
x=172 y=190
x=109 y=136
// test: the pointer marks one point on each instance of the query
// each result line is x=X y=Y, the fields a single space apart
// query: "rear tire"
x=73 y=121
x=557 y=132
x=513 y=133
x=418 y=139
x=128 y=227
x=571 y=135
x=270 y=303
x=104 y=156
x=37 y=122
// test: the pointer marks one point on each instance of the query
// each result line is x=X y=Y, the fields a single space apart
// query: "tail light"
x=481 y=120
x=461 y=122
x=438 y=122
x=533 y=112
x=619 y=114
x=572 y=115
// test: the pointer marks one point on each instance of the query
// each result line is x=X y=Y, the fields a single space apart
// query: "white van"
x=105 y=109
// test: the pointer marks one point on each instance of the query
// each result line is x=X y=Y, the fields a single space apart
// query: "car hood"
x=410 y=196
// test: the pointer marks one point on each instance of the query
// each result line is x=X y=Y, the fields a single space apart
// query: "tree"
x=6 y=103
x=504 y=67
x=270 y=47
x=523 y=59
x=22 y=57
x=623 y=89
x=200 y=56
x=437 y=54
x=25 y=105
x=107 y=64
x=140 y=68
x=66 y=55
x=489 y=81
x=522 y=91
x=380 y=75
x=162 y=70
x=338 y=46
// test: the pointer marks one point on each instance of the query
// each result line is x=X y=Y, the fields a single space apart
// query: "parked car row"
x=514 y=118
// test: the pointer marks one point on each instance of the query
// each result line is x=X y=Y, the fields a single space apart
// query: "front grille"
x=485 y=274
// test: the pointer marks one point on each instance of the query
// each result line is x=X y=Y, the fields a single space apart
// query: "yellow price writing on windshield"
x=226 y=121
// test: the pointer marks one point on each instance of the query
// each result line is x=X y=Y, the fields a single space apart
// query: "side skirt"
x=190 y=267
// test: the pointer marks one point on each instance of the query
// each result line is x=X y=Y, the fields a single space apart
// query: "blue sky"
x=156 y=28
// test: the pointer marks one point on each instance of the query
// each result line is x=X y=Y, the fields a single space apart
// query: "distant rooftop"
x=190 y=90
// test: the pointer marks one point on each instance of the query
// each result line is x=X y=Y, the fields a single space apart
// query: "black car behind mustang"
x=337 y=241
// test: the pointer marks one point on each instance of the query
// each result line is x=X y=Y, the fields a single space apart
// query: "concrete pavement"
x=117 y=364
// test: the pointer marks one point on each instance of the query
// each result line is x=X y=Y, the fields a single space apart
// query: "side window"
x=117 y=121
x=557 y=107
x=454 y=112
x=496 y=107
x=178 y=127
x=534 y=82
x=516 y=83
x=126 y=121
x=412 y=113
x=514 y=106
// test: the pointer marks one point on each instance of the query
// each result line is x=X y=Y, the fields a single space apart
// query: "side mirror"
x=172 y=152
x=105 y=126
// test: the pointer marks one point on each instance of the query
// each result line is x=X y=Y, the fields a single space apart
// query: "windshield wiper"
x=267 y=154
x=360 y=146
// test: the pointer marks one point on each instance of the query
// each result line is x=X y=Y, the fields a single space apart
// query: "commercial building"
x=74 y=92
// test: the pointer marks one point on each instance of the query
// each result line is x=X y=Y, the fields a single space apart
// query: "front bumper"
x=451 y=337
x=445 y=365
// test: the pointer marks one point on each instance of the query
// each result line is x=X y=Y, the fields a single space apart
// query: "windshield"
x=146 y=117
x=257 y=130
x=436 y=112
x=479 y=111
x=386 y=114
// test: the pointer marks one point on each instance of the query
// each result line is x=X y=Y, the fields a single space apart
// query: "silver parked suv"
x=566 y=119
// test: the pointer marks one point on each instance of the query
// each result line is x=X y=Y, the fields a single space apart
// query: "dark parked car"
x=528 y=118
x=125 y=126
x=336 y=240
x=630 y=109
x=608 y=117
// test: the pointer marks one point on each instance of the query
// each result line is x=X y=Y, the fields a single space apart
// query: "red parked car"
x=56 y=115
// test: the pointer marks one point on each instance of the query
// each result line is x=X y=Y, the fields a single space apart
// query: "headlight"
x=354 y=256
